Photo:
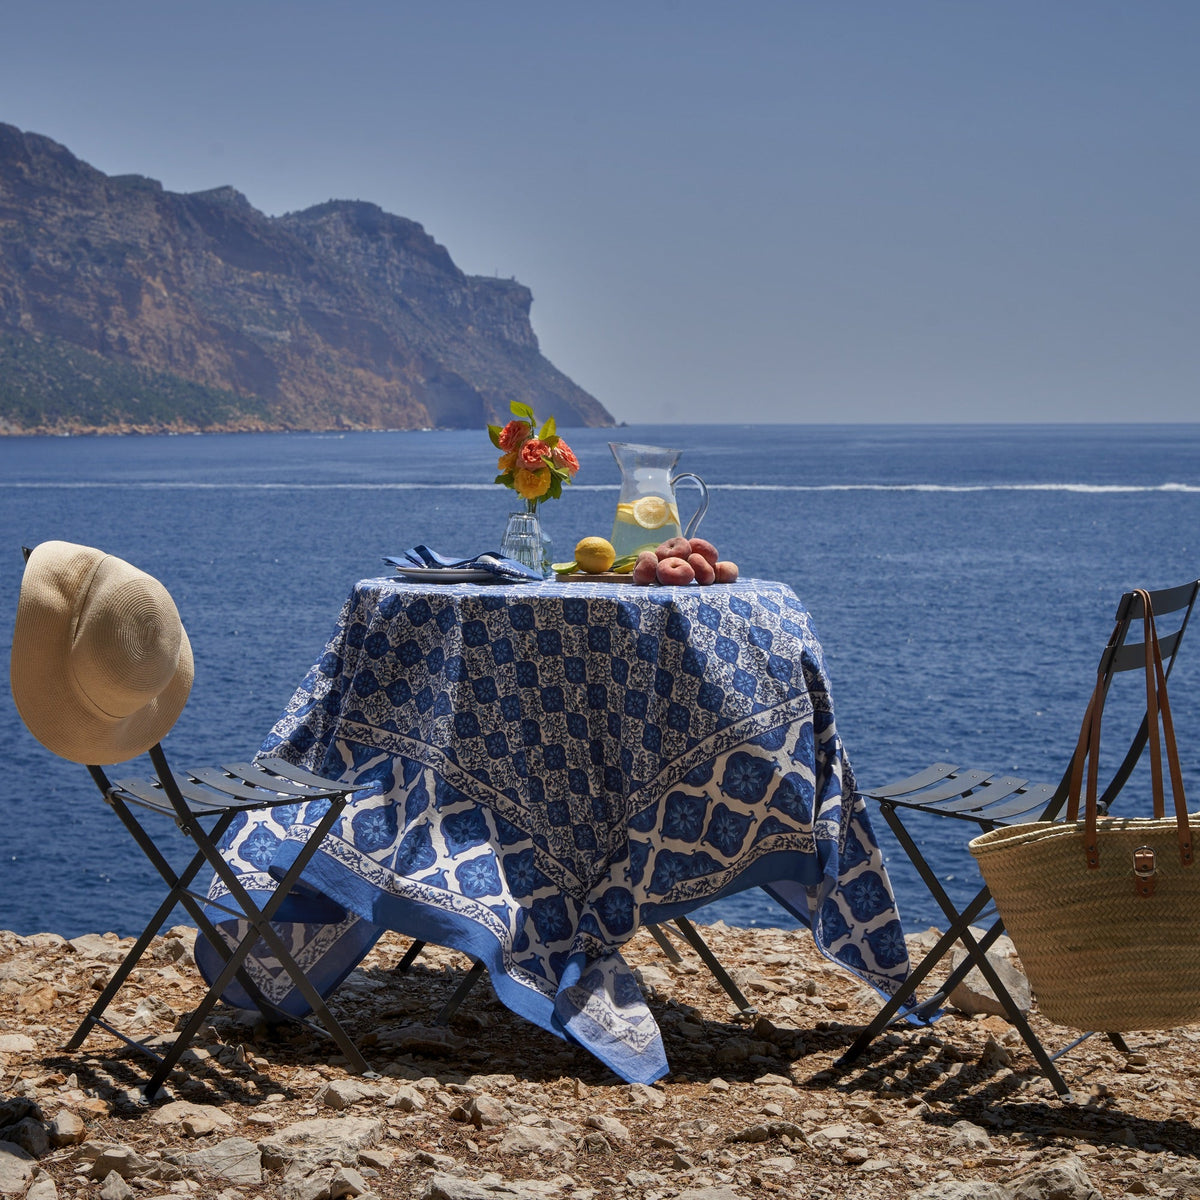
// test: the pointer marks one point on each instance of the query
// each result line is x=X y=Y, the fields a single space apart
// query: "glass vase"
x=524 y=541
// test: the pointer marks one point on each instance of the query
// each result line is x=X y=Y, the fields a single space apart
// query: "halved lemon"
x=651 y=512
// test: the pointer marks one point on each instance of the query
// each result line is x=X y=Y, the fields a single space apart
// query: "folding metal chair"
x=96 y=637
x=987 y=801
x=225 y=793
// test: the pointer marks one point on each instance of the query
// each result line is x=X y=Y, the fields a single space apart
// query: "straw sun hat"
x=101 y=666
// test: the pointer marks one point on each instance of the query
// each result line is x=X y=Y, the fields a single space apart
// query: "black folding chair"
x=987 y=801
x=131 y=620
x=224 y=793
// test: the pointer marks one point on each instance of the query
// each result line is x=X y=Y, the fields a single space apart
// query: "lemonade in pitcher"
x=647 y=512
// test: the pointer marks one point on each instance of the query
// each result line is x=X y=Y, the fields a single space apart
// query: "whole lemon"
x=594 y=555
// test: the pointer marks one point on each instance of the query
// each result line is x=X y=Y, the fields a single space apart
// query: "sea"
x=962 y=580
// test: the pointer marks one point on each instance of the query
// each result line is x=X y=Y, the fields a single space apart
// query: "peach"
x=645 y=570
x=727 y=572
x=675 y=570
x=705 y=572
x=676 y=547
x=706 y=550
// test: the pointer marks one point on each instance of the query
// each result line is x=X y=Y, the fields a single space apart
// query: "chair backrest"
x=1125 y=651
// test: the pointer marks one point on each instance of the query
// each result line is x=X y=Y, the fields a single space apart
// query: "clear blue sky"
x=844 y=210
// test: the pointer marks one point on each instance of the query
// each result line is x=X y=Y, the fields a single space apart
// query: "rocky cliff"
x=124 y=306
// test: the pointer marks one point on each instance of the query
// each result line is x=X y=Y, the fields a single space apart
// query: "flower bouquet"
x=535 y=463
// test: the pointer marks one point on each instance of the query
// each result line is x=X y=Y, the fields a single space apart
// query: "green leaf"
x=549 y=429
x=506 y=479
x=551 y=441
x=494 y=434
x=523 y=411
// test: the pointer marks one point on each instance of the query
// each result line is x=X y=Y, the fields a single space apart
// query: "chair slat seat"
x=1031 y=800
x=950 y=788
x=270 y=790
x=913 y=783
x=282 y=775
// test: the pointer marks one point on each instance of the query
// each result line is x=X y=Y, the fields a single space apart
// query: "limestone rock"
x=16 y=1169
x=197 y=1119
x=974 y=995
x=964 y=1135
x=321 y=1139
x=1065 y=1179
x=30 y=1134
x=523 y=1139
x=340 y=1094
x=67 y=1129
x=236 y=1159
x=609 y=1126
x=43 y=1187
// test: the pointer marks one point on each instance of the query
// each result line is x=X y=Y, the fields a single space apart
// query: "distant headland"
x=128 y=308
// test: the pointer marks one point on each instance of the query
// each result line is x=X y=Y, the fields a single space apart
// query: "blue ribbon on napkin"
x=490 y=561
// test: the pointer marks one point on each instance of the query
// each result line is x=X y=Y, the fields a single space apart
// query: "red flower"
x=563 y=456
x=533 y=452
x=513 y=434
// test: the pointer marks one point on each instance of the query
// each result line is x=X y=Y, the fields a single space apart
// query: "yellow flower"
x=507 y=461
x=529 y=485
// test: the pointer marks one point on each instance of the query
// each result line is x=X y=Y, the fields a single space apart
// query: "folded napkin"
x=492 y=562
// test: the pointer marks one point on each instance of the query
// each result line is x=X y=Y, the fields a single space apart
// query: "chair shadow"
x=390 y=1015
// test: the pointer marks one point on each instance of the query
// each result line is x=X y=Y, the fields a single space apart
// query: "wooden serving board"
x=599 y=577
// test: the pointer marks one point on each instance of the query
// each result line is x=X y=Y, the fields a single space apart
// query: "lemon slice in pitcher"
x=651 y=512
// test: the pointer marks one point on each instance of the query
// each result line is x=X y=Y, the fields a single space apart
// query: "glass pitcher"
x=647 y=512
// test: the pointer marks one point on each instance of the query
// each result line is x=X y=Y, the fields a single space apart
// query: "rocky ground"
x=492 y=1107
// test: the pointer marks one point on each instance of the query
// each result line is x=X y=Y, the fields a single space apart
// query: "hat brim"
x=56 y=573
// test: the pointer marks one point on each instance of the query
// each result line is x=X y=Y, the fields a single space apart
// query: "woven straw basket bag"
x=1106 y=914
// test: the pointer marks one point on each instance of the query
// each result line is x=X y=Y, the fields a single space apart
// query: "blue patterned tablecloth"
x=544 y=768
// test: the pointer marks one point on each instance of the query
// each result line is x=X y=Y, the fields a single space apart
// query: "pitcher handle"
x=694 y=523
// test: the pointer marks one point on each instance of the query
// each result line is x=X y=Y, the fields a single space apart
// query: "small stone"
x=236 y=1159
x=113 y=1157
x=67 y=1129
x=43 y=1187
x=974 y=993
x=31 y=1135
x=115 y=1188
x=522 y=1139
x=346 y=1181
x=340 y=1094
x=609 y=1126
x=484 y=1110
x=16 y=1169
x=407 y=1099
x=966 y=1136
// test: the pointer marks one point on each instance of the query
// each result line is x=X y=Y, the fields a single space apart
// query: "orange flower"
x=532 y=454
x=530 y=485
x=563 y=456
x=506 y=462
x=513 y=434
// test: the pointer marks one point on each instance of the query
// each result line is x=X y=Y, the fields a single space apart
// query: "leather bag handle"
x=1158 y=708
